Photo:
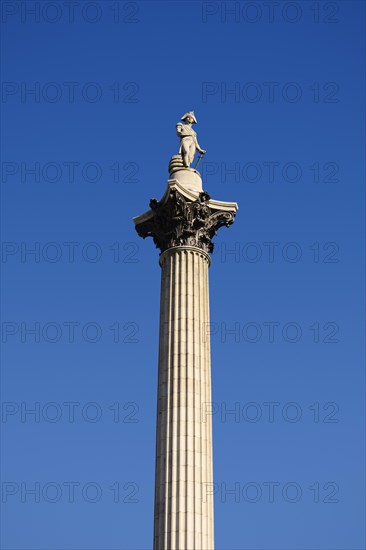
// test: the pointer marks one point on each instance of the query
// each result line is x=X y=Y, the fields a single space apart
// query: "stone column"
x=182 y=225
x=183 y=514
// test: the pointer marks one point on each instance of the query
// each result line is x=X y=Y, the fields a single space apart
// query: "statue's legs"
x=192 y=151
x=188 y=151
x=185 y=155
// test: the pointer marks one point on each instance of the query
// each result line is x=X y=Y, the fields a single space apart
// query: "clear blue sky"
x=278 y=91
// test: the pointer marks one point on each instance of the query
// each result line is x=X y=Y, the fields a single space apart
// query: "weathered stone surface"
x=183 y=492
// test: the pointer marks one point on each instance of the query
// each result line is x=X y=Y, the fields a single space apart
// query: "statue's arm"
x=199 y=149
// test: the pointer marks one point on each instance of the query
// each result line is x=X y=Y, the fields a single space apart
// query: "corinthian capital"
x=184 y=217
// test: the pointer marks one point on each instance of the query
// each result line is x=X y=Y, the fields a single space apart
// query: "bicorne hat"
x=191 y=114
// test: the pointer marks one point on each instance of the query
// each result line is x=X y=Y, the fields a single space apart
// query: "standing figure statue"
x=188 y=139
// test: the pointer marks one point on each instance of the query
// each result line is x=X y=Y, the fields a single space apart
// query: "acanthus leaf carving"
x=183 y=222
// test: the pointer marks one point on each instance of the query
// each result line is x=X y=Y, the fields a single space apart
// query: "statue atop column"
x=188 y=139
x=188 y=144
x=182 y=225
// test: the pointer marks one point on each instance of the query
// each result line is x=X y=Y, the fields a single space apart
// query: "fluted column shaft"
x=183 y=517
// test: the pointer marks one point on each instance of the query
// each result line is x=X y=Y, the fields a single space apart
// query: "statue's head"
x=189 y=118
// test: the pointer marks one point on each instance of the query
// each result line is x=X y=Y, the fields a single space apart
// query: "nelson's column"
x=182 y=225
